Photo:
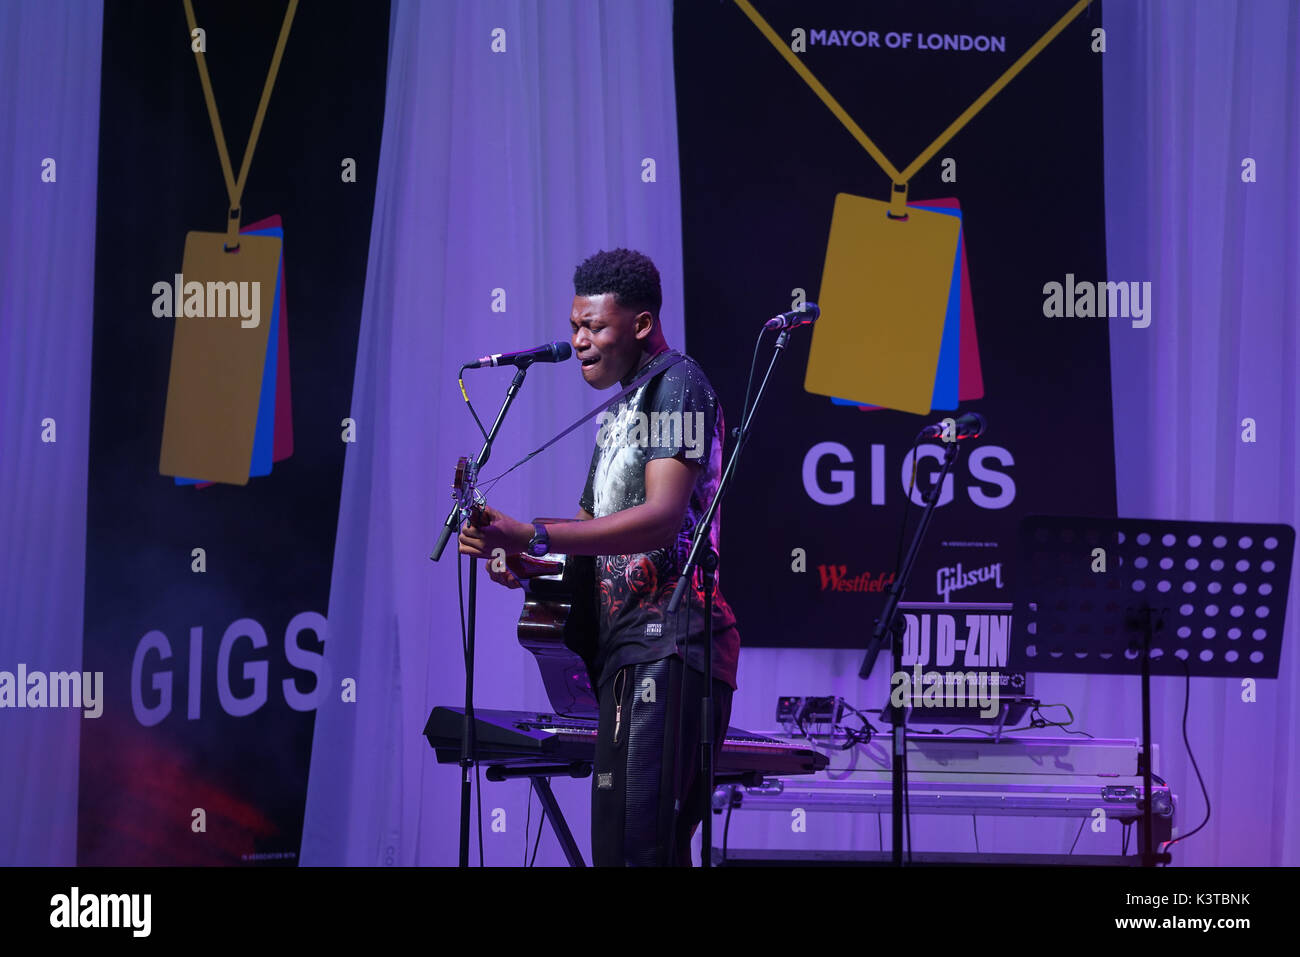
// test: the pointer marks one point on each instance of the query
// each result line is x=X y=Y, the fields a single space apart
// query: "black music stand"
x=1174 y=598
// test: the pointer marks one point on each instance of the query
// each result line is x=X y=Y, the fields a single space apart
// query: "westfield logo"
x=836 y=578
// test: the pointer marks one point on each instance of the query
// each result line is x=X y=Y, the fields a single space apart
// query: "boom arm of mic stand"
x=886 y=621
x=706 y=522
x=890 y=625
x=453 y=518
x=448 y=528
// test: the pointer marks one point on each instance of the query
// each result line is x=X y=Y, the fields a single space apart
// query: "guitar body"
x=559 y=624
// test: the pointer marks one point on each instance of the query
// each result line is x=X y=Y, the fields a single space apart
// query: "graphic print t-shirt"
x=674 y=415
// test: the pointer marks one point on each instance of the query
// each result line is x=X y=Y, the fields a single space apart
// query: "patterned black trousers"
x=643 y=770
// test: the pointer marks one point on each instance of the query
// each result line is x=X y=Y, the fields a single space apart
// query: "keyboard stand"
x=541 y=775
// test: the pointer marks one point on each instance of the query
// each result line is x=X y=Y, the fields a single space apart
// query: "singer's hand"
x=520 y=567
x=500 y=531
x=504 y=577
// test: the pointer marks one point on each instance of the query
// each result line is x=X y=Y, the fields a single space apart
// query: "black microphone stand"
x=702 y=554
x=457 y=517
x=890 y=623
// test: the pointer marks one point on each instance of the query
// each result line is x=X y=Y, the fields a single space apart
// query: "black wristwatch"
x=540 y=543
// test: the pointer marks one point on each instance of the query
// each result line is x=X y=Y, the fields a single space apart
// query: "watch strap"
x=540 y=535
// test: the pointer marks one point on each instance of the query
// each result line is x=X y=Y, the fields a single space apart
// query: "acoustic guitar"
x=558 y=624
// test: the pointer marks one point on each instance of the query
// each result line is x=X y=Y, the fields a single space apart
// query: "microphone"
x=551 y=352
x=968 y=425
x=797 y=317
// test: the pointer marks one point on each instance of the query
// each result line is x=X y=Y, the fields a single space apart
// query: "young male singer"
x=653 y=474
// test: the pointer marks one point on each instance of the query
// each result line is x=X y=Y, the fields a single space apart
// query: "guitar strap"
x=652 y=369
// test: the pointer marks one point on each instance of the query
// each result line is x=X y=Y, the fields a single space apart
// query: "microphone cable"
x=460 y=377
x=749 y=388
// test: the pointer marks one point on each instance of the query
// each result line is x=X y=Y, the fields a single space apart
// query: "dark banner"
x=221 y=383
x=993 y=297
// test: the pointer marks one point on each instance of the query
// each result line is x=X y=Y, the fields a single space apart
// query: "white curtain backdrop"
x=49 y=108
x=1192 y=90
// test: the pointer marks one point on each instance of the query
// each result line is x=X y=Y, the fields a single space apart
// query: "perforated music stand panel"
x=1217 y=591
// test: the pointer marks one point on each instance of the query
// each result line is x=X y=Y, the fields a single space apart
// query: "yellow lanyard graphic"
x=235 y=188
x=898 y=200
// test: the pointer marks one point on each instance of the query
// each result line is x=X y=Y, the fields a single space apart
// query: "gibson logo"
x=954 y=579
x=835 y=578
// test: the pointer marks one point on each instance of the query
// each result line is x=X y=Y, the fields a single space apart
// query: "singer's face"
x=606 y=338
